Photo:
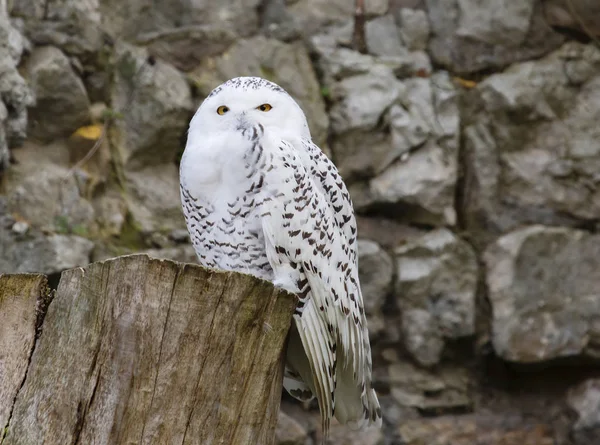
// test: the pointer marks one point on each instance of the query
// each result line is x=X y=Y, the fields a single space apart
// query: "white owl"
x=260 y=197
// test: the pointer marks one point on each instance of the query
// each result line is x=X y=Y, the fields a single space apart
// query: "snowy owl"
x=260 y=197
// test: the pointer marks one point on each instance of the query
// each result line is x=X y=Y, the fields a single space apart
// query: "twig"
x=359 y=41
x=97 y=144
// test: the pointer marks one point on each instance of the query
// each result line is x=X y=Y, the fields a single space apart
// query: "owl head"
x=244 y=102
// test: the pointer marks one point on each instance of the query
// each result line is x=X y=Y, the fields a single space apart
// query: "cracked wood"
x=19 y=295
x=143 y=351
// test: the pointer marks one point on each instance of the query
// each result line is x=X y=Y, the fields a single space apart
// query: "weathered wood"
x=19 y=295
x=142 y=351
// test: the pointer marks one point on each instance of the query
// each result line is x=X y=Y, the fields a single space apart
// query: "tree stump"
x=136 y=350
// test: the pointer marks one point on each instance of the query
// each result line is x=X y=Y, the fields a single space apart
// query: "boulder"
x=383 y=37
x=15 y=94
x=579 y=15
x=153 y=105
x=184 y=253
x=74 y=26
x=152 y=197
x=59 y=92
x=442 y=391
x=436 y=283
x=181 y=33
x=584 y=399
x=290 y=432
x=51 y=198
x=343 y=435
x=474 y=429
x=469 y=36
x=313 y=15
x=544 y=288
x=375 y=271
x=34 y=252
x=414 y=28
x=416 y=176
x=532 y=144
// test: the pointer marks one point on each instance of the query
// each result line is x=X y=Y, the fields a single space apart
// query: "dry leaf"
x=91 y=132
x=465 y=83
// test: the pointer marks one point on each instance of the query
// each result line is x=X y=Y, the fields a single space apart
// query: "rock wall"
x=468 y=135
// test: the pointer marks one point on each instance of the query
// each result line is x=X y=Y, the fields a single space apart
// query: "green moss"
x=325 y=92
x=131 y=235
x=79 y=230
x=109 y=115
x=61 y=225
x=127 y=67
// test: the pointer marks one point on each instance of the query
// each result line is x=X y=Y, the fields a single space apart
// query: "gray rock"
x=414 y=28
x=341 y=434
x=436 y=286
x=313 y=15
x=20 y=227
x=71 y=25
x=35 y=252
x=152 y=197
x=375 y=271
x=155 y=103
x=111 y=213
x=414 y=163
x=288 y=65
x=544 y=287
x=15 y=95
x=290 y=432
x=360 y=101
x=419 y=170
x=383 y=38
x=474 y=35
x=532 y=144
x=481 y=428
x=48 y=198
x=184 y=253
x=386 y=232
x=4 y=153
x=58 y=91
x=336 y=61
x=180 y=236
x=277 y=22
x=584 y=399
x=444 y=390
x=180 y=32
x=358 y=105
x=580 y=15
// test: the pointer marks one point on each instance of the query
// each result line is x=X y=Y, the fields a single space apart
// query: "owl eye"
x=264 y=107
x=222 y=110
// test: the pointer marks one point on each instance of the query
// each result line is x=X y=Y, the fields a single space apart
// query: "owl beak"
x=242 y=122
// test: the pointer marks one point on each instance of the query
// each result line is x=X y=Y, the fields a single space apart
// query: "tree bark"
x=136 y=350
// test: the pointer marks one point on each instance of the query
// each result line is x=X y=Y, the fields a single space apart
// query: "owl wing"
x=330 y=182
x=312 y=256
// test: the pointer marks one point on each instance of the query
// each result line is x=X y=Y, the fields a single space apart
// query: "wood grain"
x=143 y=351
x=19 y=295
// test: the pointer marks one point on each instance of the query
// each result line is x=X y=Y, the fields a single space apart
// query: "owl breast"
x=226 y=233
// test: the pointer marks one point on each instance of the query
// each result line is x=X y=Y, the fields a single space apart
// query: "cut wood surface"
x=136 y=350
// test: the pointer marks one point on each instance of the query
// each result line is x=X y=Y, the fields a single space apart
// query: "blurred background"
x=468 y=132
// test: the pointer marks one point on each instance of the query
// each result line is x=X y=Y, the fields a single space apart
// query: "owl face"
x=245 y=102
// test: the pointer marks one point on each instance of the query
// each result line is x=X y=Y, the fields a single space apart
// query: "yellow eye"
x=264 y=107
x=222 y=110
